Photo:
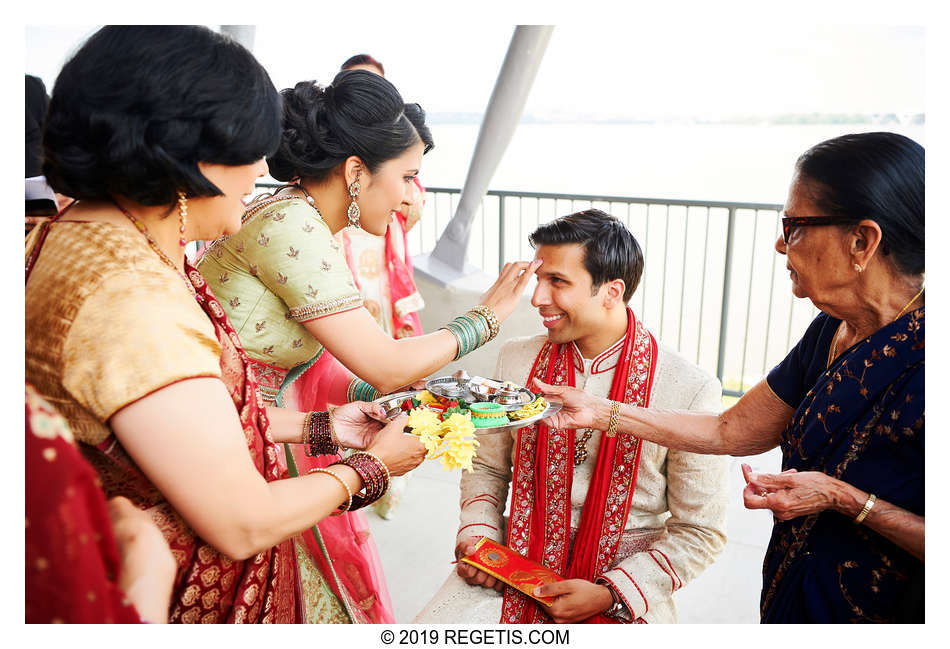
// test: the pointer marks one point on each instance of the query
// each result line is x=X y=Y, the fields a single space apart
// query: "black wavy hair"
x=877 y=176
x=360 y=113
x=610 y=249
x=137 y=107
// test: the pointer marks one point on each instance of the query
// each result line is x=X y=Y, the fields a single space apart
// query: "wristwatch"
x=618 y=610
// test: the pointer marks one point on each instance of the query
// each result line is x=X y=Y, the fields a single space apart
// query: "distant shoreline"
x=786 y=119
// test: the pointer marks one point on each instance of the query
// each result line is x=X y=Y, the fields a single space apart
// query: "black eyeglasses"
x=789 y=223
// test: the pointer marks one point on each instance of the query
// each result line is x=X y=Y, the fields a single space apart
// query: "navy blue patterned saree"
x=862 y=423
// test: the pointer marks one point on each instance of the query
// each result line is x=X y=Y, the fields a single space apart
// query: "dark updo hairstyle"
x=877 y=176
x=363 y=59
x=610 y=249
x=137 y=107
x=359 y=114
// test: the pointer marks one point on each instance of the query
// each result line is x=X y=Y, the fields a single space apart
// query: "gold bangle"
x=346 y=487
x=305 y=432
x=614 y=419
x=490 y=318
x=867 y=508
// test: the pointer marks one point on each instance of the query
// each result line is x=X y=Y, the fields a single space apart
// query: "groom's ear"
x=613 y=296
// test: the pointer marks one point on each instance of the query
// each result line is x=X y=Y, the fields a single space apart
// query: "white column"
x=527 y=47
x=243 y=34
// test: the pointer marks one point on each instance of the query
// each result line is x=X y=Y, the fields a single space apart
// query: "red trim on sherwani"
x=540 y=523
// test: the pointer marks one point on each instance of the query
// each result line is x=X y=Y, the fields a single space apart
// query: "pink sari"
x=341 y=546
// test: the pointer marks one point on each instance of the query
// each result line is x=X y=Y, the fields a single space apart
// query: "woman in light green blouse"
x=350 y=151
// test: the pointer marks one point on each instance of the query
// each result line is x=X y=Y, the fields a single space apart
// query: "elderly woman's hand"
x=579 y=409
x=789 y=494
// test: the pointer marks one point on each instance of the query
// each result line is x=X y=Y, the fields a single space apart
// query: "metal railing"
x=711 y=287
x=699 y=256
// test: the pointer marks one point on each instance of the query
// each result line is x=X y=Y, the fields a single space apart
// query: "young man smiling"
x=626 y=522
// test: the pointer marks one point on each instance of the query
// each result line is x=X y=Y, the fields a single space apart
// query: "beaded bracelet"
x=349 y=494
x=317 y=434
x=360 y=390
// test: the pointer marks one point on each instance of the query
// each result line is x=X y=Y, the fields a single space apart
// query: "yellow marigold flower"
x=420 y=418
x=425 y=398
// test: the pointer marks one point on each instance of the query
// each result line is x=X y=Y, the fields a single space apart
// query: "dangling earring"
x=353 y=211
x=182 y=216
x=858 y=268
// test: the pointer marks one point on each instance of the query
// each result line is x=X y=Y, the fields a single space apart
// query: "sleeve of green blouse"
x=298 y=259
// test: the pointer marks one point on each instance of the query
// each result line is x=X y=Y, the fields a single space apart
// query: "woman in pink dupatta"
x=351 y=151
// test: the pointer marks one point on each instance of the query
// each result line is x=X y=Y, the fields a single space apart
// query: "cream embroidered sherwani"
x=677 y=521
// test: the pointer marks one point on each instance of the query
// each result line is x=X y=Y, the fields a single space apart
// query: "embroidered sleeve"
x=294 y=254
x=695 y=534
x=135 y=334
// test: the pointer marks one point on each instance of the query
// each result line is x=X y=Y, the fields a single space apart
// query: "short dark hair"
x=610 y=249
x=37 y=102
x=362 y=59
x=877 y=176
x=359 y=114
x=137 y=107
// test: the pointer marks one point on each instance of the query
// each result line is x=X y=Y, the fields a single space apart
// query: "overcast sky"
x=628 y=69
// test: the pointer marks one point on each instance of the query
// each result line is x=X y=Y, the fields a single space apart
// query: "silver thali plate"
x=553 y=407
x=393 y=403
x=476 y=389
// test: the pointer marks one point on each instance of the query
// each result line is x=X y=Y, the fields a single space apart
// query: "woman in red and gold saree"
x=126 y=339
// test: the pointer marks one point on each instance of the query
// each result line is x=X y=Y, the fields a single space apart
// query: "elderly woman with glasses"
x=846 y=406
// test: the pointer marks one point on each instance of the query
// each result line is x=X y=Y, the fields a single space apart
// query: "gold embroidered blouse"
x=108 y=323
x=282 y=268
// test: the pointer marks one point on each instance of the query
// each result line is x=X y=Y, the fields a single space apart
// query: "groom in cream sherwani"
x=627 y=523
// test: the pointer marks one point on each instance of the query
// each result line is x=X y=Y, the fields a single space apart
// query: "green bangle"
x=461 y=336
x=466 y=341
x=471 y=331
x=360 y=390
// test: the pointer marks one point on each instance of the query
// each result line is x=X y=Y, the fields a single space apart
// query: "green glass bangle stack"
x=473 y=329
x=360 y=390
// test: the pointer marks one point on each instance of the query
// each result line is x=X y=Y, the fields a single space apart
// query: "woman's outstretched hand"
x=580 y=410
x=504 y=294
x=357 y=423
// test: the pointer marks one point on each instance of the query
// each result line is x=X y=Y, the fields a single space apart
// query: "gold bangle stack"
x=867 y=508
x=349 y=494
x=614 y=419
x=486 y=312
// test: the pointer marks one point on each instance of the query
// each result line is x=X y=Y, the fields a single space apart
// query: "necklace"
x=154 y=246
x=834 y=346
x=305 y=193
x=580 y=447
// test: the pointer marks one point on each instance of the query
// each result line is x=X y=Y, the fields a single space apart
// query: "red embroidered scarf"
x=540 y=519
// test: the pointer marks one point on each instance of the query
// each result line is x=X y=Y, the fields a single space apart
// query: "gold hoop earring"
x=182 y=217
x=353 y=211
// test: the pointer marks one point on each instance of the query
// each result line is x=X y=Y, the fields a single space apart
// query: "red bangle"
x=318 y=436
x=374 y=474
